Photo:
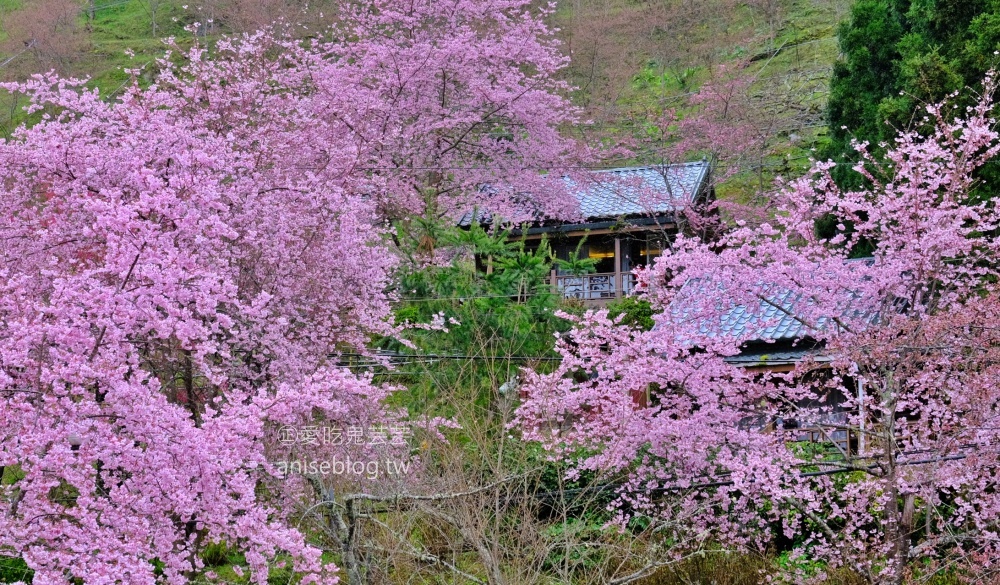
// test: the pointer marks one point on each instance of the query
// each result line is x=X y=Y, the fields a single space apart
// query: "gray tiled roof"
x=775 y=317
x=629 y=191
x=771 y=319
x=639 y=190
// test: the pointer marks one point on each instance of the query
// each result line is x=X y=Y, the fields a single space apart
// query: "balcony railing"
x=595 y=287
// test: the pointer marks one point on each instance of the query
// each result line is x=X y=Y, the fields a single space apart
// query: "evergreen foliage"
x=899 y=56
x=494 y=302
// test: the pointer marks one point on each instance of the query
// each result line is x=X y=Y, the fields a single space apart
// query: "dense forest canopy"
x=898 y=56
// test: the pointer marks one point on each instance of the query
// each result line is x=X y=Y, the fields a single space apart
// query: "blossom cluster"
x=179 y=265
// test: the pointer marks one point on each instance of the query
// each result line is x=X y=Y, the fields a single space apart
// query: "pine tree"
x=897 y=57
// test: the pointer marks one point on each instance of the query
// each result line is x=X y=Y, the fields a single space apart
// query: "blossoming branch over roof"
x=632 y=191
x=785 y=314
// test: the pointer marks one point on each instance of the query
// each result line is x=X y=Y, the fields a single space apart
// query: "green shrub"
x=14 y=569
x=635 y=312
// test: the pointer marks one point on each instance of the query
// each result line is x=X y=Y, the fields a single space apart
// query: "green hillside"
x=631 y=61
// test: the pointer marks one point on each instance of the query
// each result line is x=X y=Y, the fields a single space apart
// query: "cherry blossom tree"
x=895 y=309
x=169 y=300
x=457 y=95
x=182 y=266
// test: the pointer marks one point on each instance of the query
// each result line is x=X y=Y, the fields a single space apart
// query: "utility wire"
x=109 y=5
x=552 y=496
x=19 y=53
x=612 y=487
x=474 y=297
x=416 y=358
x=655 y=166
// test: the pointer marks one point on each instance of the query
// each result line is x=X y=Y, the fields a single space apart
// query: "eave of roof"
x=623 y=224
x=781 y=357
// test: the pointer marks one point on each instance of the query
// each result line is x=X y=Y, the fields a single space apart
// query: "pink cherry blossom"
x=180 y=267
x=905 y=341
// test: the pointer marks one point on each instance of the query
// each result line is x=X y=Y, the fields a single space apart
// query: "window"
x=602 y=250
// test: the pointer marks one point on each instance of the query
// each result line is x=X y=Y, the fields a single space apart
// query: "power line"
x=715 y=167
x=109 y=5
x=609 y=487
x=19 y=53
x=552 y=496
x=373 y=360
x=474 y=297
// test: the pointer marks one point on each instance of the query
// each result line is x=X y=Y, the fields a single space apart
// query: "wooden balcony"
x=595 y=288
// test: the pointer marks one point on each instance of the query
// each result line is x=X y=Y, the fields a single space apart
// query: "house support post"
x=861 y=416
x=619 y=281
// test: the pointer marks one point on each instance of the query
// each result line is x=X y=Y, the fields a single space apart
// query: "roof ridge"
x=703 y=163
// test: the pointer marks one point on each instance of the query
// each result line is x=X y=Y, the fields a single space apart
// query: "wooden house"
x=628 y=216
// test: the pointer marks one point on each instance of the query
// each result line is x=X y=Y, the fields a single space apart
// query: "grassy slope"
x=7 y=6
x=801 y=68
x=790 y=68
x=118 y=26
x=124 y=25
